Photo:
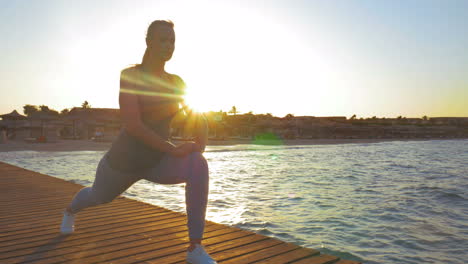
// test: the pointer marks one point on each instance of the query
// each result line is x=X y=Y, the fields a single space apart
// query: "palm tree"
x=85 y=105
x=233 y=110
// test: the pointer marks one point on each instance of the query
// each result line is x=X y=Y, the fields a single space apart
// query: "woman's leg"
x=193 y=170
x=108 y=184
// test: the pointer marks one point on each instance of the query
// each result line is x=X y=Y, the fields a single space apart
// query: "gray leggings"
x=191 y=169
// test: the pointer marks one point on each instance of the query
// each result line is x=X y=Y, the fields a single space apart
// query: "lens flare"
x=267 y=139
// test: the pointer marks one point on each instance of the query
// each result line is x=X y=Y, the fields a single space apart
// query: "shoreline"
x=88 y=145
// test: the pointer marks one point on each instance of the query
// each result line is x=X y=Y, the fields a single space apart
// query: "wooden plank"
x=57 y=211
x=51 y=222
x=158 y=245
x=19 y=216
x=103 y=229
x=124 y=231
x=178 y=253
x=112 y=247
x=142 y=227
x=78 y=240
x=261 y=254
x=103 y=221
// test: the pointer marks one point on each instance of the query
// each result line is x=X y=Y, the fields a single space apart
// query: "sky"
x=316 y=58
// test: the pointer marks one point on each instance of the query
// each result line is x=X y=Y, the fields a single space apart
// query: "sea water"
x=389 y=202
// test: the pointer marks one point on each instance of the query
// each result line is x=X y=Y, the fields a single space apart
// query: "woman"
x=149 y=99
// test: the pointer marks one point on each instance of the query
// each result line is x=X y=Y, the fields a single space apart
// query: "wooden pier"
x=124 y=231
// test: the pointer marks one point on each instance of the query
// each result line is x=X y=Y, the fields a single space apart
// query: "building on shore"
x=43 y=126
x=461 y=121
x=87 y=123
x=79 y=123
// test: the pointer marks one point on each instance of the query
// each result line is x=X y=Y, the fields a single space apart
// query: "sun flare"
x=196 y=101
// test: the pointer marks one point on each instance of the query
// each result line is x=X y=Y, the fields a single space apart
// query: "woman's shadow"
x=42 y=250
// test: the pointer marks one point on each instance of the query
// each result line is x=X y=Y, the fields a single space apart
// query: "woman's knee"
x=83 y=199
x=104 y=198
x=198 y=161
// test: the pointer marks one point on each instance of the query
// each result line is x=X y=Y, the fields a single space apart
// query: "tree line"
x=30 y=110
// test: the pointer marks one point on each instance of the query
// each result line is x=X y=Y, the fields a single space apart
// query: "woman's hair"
x=150 y=32
x=154 y=24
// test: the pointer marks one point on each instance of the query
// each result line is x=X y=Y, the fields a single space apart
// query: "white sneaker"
x=199 y=256
x=68 y=223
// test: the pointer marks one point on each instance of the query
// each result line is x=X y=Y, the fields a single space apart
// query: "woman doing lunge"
x=149 y=99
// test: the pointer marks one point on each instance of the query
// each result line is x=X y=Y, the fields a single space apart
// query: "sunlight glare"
x=196 y=101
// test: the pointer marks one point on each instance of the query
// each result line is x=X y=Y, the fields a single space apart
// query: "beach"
x=89 y=145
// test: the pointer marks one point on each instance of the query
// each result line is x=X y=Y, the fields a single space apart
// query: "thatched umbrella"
x=12 y=117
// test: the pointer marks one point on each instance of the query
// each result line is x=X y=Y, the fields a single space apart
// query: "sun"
x=196 y=101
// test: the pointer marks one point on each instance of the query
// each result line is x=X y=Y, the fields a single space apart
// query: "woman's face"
x=162 y=42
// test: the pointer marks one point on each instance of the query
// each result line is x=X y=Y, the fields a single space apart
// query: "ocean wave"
x=450 y=196
x=341 y=254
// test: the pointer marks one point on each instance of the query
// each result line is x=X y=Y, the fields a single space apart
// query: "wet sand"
x=89 y=145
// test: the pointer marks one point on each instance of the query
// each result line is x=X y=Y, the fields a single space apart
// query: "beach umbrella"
x=13 y=116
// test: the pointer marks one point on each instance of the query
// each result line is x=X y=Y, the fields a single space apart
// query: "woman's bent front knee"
x=103 y=198
x=198 y=160
x=198 y=157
